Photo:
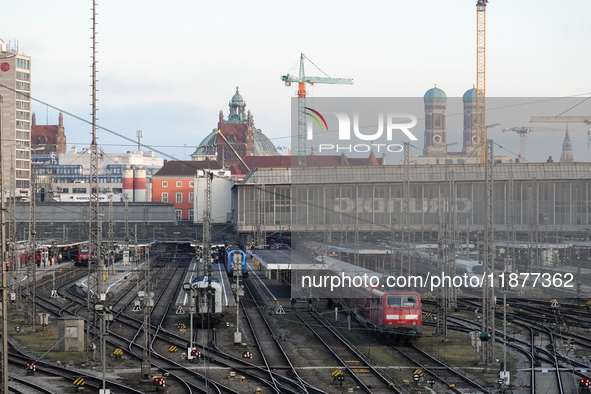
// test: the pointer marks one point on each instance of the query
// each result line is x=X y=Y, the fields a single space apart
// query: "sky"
x=168 y=68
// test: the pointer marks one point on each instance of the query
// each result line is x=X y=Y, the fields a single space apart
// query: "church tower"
x=435 y=105
x=567 y=150
x=470 y=138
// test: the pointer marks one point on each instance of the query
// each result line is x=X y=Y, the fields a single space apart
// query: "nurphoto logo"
x=393 y=123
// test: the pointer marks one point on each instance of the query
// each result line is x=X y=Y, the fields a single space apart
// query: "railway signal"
x=159 y=382
x=31 y=368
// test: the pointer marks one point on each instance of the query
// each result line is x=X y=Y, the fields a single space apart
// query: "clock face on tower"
x=437 y=138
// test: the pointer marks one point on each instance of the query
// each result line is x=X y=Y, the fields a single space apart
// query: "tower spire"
x=567 y=150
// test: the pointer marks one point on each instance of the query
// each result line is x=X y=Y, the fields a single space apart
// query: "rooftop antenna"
x=139 y=134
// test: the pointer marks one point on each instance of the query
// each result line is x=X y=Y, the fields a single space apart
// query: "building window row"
x=22 y=184
x=23 y=135
x=22 y=174
x=164 y=183
x=179 y=184
x=23 y=86
x=22 y=96
x=23 y=76
x=23 y=105
x=191 y=215
x=164 y=197
x=179 y=214
x=22 y=125
x=22 y=164
x=191 y=197
x=179 y=197
x=22 y=63
x=22 y=154
x=22 y=145
x=22 y=115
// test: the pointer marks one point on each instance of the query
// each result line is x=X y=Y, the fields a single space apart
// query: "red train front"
x=397 y=312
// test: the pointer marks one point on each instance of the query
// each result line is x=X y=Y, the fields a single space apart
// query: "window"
x=164 y=183
x=191 y=184
x=460 y=161
x=164 y=197
x=22 y=85
x=22 y=184
x=449 y=161
x=22 y=144
x=23 y=76
x=22 y=115
x=22 y=164
x=23 y=135
x=179 y=184
x=23 y=105
x=22 y=63
x=22 y=125
x=191 y=215
x=179 y=197
x=22 y=154
x=22 y=174
x=191 y=197
x=179 y=214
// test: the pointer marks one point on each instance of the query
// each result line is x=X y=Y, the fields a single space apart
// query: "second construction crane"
x=481 y=80
x=302 y=80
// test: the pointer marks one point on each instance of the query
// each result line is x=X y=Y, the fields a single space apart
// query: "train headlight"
x=389 y=323
x=414 y=323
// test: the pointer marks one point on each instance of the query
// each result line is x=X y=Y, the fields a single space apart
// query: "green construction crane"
x=302 y=80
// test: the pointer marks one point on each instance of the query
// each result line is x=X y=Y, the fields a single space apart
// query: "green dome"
x=435 y=95
x=470 y=95
x=237 y=98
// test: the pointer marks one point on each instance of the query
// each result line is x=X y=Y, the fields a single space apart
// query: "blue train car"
x=235 y=256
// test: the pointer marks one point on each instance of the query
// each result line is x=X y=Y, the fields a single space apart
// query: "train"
x=208 y=308
x=393 y=313
x=234 y=256
x=471 y=267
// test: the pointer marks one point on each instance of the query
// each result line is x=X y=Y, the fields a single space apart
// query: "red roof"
x=292 y=161
x=186 y=168
x=49 y=131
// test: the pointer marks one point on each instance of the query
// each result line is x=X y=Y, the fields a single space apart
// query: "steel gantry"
x=487 y=355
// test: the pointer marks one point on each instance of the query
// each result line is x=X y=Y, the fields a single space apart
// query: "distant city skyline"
x=169 y=69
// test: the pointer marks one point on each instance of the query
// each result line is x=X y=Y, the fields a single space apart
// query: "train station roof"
x=418 y=173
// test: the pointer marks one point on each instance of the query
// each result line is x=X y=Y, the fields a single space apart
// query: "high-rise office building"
x=15 y=90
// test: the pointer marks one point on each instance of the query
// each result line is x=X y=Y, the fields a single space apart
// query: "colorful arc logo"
x=316 y=119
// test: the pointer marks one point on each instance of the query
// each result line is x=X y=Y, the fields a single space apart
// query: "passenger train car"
x=393 y=312
x=208 y=307
x=234 y=256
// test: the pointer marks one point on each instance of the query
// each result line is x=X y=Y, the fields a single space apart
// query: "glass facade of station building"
x=555 y=195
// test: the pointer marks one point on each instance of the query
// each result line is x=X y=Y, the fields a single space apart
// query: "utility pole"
x=95 y=261
x=148 y=305
x=3 y=262
x=32 y=264
x=237 y=260
x=111 y=260
x=510 y=252
x=126 y=229
x=488 y=290
x=260 y=236
x=406 y=270
x=442 y=254
x=450 y=267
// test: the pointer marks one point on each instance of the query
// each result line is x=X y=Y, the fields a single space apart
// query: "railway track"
x=271 y=350
x=348 y=358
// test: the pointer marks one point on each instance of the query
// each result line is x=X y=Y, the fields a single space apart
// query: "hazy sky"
x=169 y=67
